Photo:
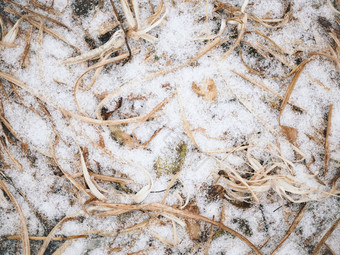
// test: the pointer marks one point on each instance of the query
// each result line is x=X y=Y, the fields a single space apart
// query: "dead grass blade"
x=128 y=14
x=291 y=87
x=279 y=57
x=61 y=250
x=24 y=233
x=8 y=126
x=10 y=155
x=44 y=8
x=186 y=214
x=10 y=37
x=186 y=125
x=135 y=31
x=38 y=14
x=244 y=104
x=102 y=122
x=111 y=178
x=88 y=179
x=154 y=110
x=208 y=244
x=296 y=221
x=136 y=12
x=328 y=131
x=325 y=237
x=241 y=32
x=42 y=238
x=171 y=183
x=116 y=41
x=9 y=45
x=164 y=240
x=145 y=191
x=99 y=65
x=68 y=176
x=263 y=86
x=162 y=208
x=3 y=29
x=265 y=22
x=41 y=217
x=46 y=30
x=331 y=6
x=275 y=46
x=56 y=227
x=25 y=59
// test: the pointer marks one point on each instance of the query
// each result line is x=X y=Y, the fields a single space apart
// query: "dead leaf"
x=290 y=133
x=121 y=137
x=193 y=226
x=206 y=89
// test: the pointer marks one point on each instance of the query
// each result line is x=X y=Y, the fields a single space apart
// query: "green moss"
x=168 y=165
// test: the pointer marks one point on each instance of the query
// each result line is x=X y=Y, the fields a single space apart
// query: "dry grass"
x=247 y=184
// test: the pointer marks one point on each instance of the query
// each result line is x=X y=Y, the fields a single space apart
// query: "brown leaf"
x=290 y=133
x=101 y=140
x=121 y=137
x=193 y=226
x=206 y=89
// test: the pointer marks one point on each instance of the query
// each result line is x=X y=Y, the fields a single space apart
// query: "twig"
x=292 y=227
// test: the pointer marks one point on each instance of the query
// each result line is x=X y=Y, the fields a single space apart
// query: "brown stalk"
x=276 y=47
x=98 y=65
x=259 y=118
x=171 y=183
x=10 y=155
x=186 y=125
x=42 y=238
x=44 y=8
x=155 y=109
x=291 y=87
x=265 y=88
x=68 y=176
x=296 y=221
x=38 y=14
x=43 y=220
x=122 y=27
x=243 y=24
x=330 y=250
x=325 y=237
x=111 y=178
x=280 y=58
x=48 y=238
x=24 y=233
x=151 y=138
x=328 y=131
x=4 y=91
x=102 y=122
x=210 y=236
x=47 y=30
x=161 y=208
x=27 y=47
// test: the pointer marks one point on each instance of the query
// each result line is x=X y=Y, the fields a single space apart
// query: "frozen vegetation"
x=169 y=127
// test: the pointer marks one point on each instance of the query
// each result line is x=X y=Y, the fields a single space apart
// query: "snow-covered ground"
x=219 y=130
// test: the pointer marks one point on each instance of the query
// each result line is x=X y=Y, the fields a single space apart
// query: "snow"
x=236 y=118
